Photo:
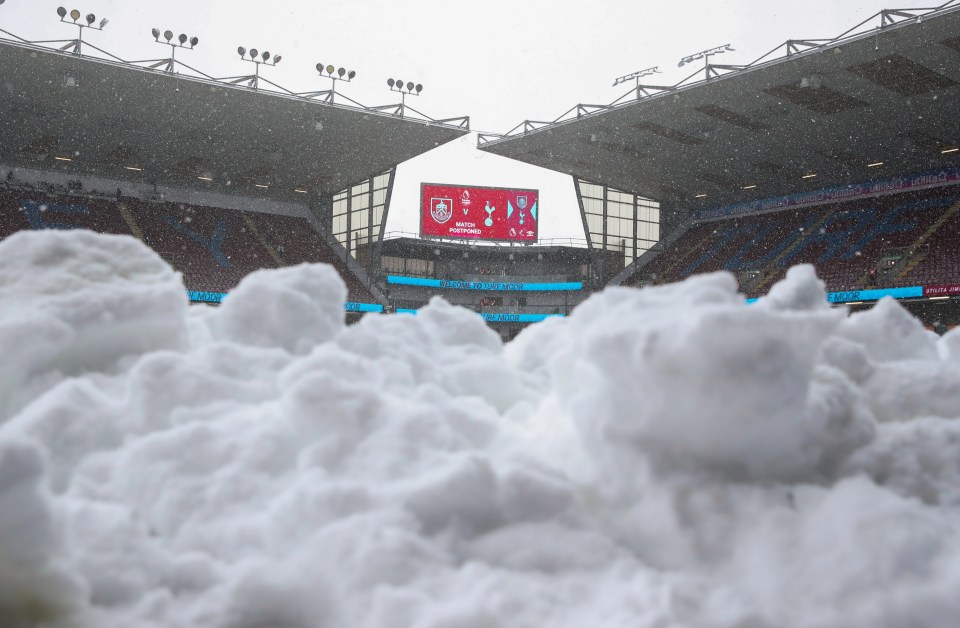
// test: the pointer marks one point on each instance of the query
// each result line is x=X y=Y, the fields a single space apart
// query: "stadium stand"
x=214 y=248
x=894 y=240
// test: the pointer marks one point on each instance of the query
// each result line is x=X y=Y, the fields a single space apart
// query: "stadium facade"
x=839 y=152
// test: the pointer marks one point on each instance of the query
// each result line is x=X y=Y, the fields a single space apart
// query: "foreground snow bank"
x=664 y=457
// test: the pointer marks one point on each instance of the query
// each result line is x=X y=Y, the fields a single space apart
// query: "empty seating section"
x=845 y=241
x=941 y=264
x=213 y=248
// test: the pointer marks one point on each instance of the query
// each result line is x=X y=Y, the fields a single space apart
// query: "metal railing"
x=167 y=67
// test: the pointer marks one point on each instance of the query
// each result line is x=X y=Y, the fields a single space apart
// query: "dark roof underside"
x=890 y=97
x=177 y=129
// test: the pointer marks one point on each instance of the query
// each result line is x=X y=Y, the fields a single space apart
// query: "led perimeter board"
x=478 y=213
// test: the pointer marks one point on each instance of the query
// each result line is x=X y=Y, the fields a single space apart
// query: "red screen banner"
x=941 y=291
x=478 y=213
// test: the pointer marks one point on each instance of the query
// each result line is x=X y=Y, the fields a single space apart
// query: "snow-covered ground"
x=663 y=457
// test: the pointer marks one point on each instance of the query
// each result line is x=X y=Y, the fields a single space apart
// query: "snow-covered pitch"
x=670 y=456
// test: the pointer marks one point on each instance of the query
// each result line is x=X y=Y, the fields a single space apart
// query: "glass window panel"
x=622 y=210
x=594 y=223
x=379 y=197
x=361 y=220
x=361 y=188
x=360 y=202
x=378 y=216
x=613 y=227
x=589 y=189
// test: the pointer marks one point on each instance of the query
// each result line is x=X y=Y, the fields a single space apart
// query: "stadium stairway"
x=915 y=255
x=768 y=272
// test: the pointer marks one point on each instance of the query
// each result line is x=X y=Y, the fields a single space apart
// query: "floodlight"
x=61 y=12
x=410 y=86
x=156 y=33
x=341 y=72
x=182 y=39
x=320 y=67
x=419 y=88
x=194 y=41
x=242 y=51
x=399 y=83
x=253 y=53
x=390 y=82
x=330 y=69
x=91 y=18
x=266 y=55
x=276 y=59
x=103 y=23
x=75 y=15
x=350 y=75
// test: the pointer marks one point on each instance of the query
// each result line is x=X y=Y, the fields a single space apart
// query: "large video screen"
x=478 y=213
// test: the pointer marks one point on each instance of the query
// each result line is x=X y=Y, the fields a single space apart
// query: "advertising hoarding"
x=478 y=213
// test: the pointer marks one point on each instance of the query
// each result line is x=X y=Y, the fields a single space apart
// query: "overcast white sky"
x=498 y=61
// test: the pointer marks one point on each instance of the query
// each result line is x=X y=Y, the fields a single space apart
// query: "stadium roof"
x=888 y=92
x=110 y=116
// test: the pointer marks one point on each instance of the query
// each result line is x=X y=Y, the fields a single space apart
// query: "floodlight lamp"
x=350 y=75
x=103 y=23
x=341 y=72
x=61 y=12
x=182 y=39
x=156 y=33
x=194 y=41
x=320 y=68
x=330 y=69
x=419 y=88
x=168 y=35
x=91 y=18
x=266 y=55
x=276 y=59
x=75 y=15
x=410 y=86
x=242 y=51
x=390 y=82
x=253 y=53
x=399 y=83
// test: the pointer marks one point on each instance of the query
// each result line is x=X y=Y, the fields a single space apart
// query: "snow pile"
x=664 y=457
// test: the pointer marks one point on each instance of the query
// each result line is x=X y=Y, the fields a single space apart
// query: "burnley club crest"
x=441 y=209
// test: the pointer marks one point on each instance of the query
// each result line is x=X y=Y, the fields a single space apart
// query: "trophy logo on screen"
x=489 y=210
x=441 y=209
